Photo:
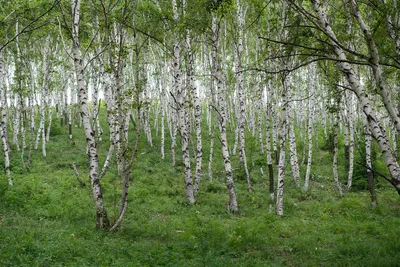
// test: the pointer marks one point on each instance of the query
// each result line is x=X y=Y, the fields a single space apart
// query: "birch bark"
x=310 y=130
x=282 y=149
x=335 y=154
x=3 y=125
x=101 y=214
x=233 y=206
x=241 y=95
x=367 y=107
x=376 y=66
x=181 y=113
x=196 y=104
x=368 y=161
x=294 y=162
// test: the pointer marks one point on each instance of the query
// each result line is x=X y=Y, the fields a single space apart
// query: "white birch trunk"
x=101 y=214
x=242 y=100
x=197 y=109
x=281 y=165
x=49 y=120
x=367 y=106
x=233 y=206
x=310 y=130
x=351 y=141
x=368 y=161
x=376 y=67
x=3 y=122
x=294 y=162
x=181 y=113
x=335 y=155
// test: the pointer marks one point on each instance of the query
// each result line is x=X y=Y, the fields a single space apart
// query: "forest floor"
x=47 y=218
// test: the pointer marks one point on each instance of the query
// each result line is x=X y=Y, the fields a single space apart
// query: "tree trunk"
x=233 y=206
x=376 y=67
x=3 y=122
x=101 y=214
x=180 y=105
x=370 y=175
x=281 y=164
x=367 y=107
x=310 y=131
x=294 y=162
x=335 y=154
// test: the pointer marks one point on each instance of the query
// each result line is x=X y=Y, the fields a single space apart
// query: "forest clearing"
x=199 y=133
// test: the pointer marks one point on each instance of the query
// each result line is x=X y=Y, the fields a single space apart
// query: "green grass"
x=47 y=218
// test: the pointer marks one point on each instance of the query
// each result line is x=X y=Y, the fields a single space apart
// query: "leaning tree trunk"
x=368 y=108
x=376 y=67
x=101 y=214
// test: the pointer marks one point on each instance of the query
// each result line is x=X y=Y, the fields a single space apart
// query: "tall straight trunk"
x=163 y=102
x=366 y=104
x=210 y=158
x=3 y=122
x=335 y=155
x=41 y=133
x=49 y=120
x=101 y=214
x=233 y=205
x=241 y=95
x=368 y=161
x=16 y=125
x=197 y=112
x=275 y=137
x=351 y=140
x=282 y=149
x=268 y=143
x=260 y=118
x=310 y=130
x=32 y=121
x=23 y=130
x=294 y=162
x=96 y=106
x=180 y=104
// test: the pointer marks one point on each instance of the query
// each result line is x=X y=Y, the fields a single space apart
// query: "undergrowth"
x=47 y=218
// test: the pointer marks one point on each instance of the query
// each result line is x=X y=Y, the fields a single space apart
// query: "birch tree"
x=101 y=213
x=233 y=205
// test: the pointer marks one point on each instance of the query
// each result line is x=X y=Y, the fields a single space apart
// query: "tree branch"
x=25 y=29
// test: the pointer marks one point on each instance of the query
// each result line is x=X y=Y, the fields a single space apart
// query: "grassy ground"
x=47 y=219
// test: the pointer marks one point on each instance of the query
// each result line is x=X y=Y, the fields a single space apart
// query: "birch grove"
x=218 y=88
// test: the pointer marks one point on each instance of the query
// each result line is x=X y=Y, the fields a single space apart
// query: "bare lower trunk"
x=101 y=214
x=281 y=164
x=310 y=131
x=335 y=156
x=294 y=162
x=370 y=175
x=233 y=206
x=179 y=98
x=3 y=123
